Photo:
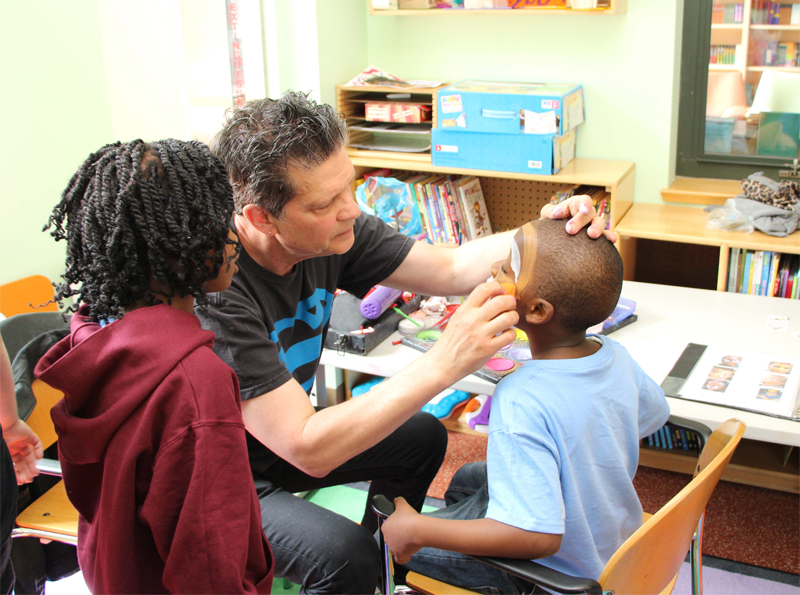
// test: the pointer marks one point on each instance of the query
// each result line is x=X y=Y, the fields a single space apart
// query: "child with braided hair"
x=151 y=439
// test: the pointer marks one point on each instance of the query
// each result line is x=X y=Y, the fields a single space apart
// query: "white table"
x=669 y=318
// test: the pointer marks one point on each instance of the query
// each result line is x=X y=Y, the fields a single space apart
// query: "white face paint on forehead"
x=516 y=261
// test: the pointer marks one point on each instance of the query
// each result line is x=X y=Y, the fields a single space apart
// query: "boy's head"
x=570 y=279
x=143 y=223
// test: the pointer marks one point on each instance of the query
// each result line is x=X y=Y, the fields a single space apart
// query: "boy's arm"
x=406 y=532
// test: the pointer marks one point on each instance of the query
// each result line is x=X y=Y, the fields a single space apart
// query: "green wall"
x=53 y=113
x=628 y=65
x=55 y=99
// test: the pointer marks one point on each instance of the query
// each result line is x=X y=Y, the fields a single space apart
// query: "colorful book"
x=471 y=196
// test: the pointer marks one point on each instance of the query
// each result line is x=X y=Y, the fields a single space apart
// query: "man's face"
x=319 y=220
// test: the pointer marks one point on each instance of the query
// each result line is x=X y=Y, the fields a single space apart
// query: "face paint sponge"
x=509 y=288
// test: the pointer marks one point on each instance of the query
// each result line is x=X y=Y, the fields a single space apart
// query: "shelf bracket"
x=791 y=173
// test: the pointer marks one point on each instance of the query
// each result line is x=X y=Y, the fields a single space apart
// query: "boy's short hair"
x=135 y=213
x=580 y=276
x=263 y=138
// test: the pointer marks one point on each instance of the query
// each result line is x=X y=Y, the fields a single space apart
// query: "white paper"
x=746 y=380
x=540 y=123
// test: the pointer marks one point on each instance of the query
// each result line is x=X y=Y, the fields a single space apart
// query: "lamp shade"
x=777 y=92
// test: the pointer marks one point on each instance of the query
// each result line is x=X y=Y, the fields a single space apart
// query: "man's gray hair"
x=263 y=138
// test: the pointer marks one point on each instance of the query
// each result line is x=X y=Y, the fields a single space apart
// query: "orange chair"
x=27 y=295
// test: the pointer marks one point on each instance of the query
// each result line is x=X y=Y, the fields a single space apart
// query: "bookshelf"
x=512 y=199
x=609 y=7
x=686 y=225
x=749 y=34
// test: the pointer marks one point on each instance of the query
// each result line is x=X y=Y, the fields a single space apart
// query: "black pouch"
x=346 y=317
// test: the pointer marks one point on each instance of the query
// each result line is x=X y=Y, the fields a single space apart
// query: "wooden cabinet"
x=686 y=225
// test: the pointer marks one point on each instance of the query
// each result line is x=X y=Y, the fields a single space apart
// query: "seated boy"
x=151 y=438
x=564 y=432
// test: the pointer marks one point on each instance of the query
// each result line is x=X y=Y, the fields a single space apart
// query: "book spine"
x=447 y=218
x=451 y=211
x=431 y=207
x=684 y=443
x=667 y=434
x=734 y=255
x=423 y=214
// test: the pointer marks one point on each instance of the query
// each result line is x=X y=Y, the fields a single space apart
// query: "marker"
x=406 y=316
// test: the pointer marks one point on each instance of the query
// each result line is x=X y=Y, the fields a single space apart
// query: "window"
x=740 y=88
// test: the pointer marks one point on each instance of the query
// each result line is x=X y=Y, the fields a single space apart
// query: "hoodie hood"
x=106 y=373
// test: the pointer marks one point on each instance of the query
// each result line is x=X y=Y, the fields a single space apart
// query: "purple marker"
x=380 y=300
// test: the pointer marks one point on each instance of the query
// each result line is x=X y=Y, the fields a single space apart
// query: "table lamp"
x=777 y=92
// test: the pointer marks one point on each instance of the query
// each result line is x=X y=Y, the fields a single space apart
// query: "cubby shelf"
x=608 y=7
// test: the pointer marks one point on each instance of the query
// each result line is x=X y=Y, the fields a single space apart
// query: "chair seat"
x=425 y=584
x=51 y=512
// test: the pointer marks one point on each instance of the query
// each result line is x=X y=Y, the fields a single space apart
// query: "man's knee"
x=429 y=438
x=352 y=563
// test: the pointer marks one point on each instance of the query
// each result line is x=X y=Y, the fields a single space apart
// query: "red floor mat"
x=743 y=523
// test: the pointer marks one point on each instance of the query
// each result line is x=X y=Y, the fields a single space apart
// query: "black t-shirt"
x=270 y=328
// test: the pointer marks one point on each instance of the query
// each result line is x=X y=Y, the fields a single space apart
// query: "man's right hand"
x=477 y=330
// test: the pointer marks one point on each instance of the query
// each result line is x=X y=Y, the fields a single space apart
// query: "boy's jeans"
x=467 y=498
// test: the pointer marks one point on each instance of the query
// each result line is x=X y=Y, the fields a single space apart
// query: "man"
x=303 y=237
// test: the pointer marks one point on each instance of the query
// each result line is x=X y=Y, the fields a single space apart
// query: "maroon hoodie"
x=152 y=447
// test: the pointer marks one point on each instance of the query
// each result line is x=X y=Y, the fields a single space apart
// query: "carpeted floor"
x=745 y=524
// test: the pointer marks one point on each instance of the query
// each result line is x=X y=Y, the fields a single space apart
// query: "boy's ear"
x=259 y=218
x=539 y=311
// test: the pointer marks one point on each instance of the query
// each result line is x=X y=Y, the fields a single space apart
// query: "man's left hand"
x=581 y=212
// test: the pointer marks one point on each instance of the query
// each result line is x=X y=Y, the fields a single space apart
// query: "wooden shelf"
x=776 y=27
x=781 y=68
x=702 y=191
x=614 y=7
x=754 y=463
x=671 y=223
x=598 y=172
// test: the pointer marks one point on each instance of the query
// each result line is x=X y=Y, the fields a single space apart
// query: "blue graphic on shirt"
x=314 y=311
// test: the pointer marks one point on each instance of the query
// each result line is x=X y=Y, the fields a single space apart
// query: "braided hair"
x=143 y=223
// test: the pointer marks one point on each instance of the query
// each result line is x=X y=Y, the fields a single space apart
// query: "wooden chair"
x=27 y=295
x=51 y=516
x=649 y=560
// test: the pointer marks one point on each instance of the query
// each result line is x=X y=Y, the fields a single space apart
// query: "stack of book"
x=673 y=439
x=727 y=14
x=600 y=199
x=765 y=12
x=774 y=53
x=724 y=54
x=758 y=272
x=452 y=208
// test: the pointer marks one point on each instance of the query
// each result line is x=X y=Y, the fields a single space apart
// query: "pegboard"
x=512 y=203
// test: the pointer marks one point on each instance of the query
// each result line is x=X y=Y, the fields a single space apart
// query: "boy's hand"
x=581 y=211
x=25 y=448
x=399 y=533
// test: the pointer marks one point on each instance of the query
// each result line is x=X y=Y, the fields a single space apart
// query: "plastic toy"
x=476 y=413
x=443 y=404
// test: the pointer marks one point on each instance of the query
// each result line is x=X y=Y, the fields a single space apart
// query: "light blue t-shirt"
x=563 y=450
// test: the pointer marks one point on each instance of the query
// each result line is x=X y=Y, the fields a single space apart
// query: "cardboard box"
x=410 y=113
x=542 y=154
x=511 y=108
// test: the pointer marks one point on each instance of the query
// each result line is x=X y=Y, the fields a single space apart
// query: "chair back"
x=39 y=420
x=650 y=558
x=27 y=295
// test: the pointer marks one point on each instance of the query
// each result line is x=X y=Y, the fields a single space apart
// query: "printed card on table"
x=748 y=380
